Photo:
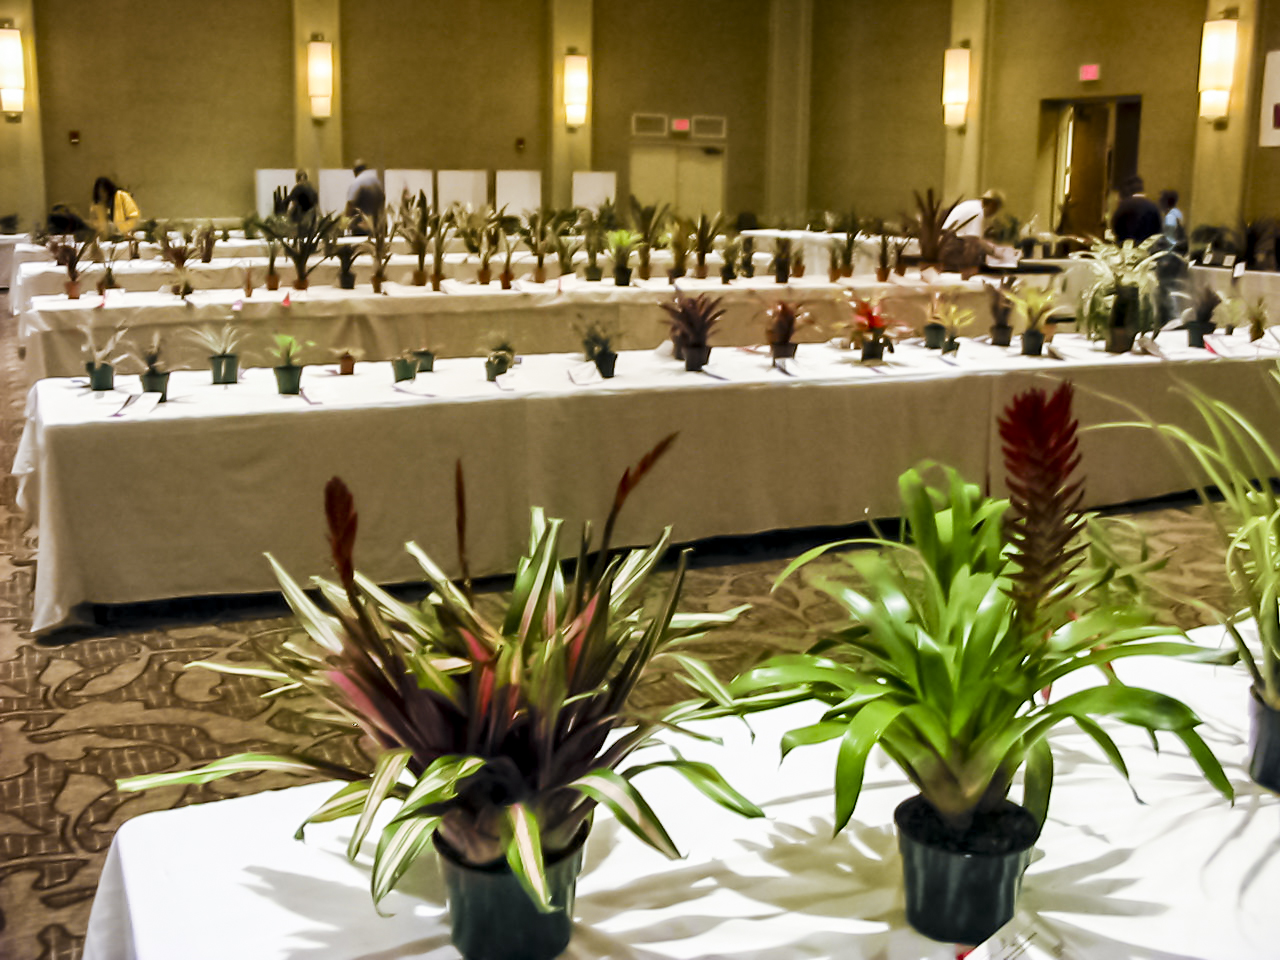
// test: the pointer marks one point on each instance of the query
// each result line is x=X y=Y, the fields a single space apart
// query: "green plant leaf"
x=347 y=802
x=524 y=855
x=439 y=782
x=1038 y=780
x=386 y=773
x=628 y=807
x=707 y=779
x=398 y=847
x=863 y=732
x=240 y=763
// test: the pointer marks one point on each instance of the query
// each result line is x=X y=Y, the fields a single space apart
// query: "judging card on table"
x=1023 y=938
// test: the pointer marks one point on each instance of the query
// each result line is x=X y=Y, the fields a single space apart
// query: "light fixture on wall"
x=13 y=77
x=955 y=85
x=1217 y=65
x=576 y=85
x=320 y=76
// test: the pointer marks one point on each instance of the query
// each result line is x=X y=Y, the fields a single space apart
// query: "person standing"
x=303 y=198
x=1174 y=225
x=112 y=208
x=364 y=196
x=1135 y=218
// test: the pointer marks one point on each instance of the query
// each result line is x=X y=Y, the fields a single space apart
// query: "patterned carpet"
x=80 y=711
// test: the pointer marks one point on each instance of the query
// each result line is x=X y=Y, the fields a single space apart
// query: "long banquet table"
x=1180 y=875
x=146 y=502
x=465 y=319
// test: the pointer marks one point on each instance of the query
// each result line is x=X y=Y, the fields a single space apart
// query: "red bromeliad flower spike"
x=1040 y=456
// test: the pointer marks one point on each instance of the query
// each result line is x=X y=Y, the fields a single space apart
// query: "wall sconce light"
x=1217 y=66
x=955 y=85
x=13 y=77
x=576 y=85
x=320 y=76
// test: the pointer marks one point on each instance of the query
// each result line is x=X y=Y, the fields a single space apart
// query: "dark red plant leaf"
x=340 y=512
x=460 y=523
x=631 y=478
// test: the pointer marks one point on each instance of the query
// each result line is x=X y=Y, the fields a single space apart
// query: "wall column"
x=1219 y=176
x=21 y=144
x=568 y=150
x=962 y=174
x=786 y=162
x=317 y=143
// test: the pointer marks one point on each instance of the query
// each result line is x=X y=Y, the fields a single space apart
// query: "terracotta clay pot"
x=419 y=278
x=273 y=281
x=882 y=274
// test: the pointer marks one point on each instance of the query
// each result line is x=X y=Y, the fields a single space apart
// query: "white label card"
x=1023 y=938
x=1238 y=271
x=1229 y=260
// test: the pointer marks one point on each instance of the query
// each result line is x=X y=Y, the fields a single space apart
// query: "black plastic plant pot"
x=935 y=335
x=950 y=345
x=593 y=273
x=675 y=273
x=495 y=367
x=695 y=358
x=622 y=276
x=492 y=918
x=347 y=281
x=606 y=361
x=1001 y=334
x=963 y=896
x=102 y=376
x=782 y=351
x=1027 y=246
x=1264 y=743
x=727 y=274
x=677 y=348
x=156 y=382
x=781 y=270
x=289 y=380
x=404 y=368
x=225 y=368
x=872 y=350
x=1196 y=331
x=1120 y=339
x=426 y=360
x=1125 y=306
x=1032 y=343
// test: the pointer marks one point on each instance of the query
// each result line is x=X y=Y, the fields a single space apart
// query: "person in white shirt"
x=1174 y=225
x=968 y=218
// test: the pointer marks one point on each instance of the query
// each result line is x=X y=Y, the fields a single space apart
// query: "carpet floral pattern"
x=77 y=712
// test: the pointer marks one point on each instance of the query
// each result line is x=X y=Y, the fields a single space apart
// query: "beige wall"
x=1145 y=47
x=876 y=120
x=683 y=58
x=178 y=100
x=440 y=85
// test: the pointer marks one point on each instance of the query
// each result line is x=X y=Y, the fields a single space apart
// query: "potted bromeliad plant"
x=731 y=258
x=405 y=366
x=1036 y=304
x=956 y=639
x=418 y=221
x=927 y=227
x=622 y=244
x=154 y=377
x=178 y=254
x=781 y=321
x=68 y=252
x=565 y=247
x=496 y=739
x=1001 y=309
x=692 y=320
x=303 y=240
x=678 y=240
x=288 y=371
x=222 y=343
x=379 y=232
x=650 y=223
x=101 y=365
x=871 y=330
x=537 y=233
x=705 y=231
x=502 y=355
x=1204 y=303
x=597 y=346
x=346 y=254
x=593 y=227
x=508 y=243
x=1121 y=301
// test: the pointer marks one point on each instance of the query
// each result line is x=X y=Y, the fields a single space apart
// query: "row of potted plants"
x=497 y=738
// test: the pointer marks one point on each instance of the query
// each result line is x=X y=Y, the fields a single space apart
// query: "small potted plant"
x=108 y=260
x=622 y=243
x=206 y=237
x=900 y=255
x=782 y=319
x=705 y=231
x=405 y=366
x=935 y=330
x=246 y=285
x=1036 y=304
x=537 y=233
x=101 y=365
x=650 y=223
x=797 y=260
x=426 y=357
x=1204 y=302
x=953 y=318
x=847 y=228
x=154 y=378
x=378 y=232
x=1121 y=302
x=884 y=252
x=782 y=259
x=501 y=356
x=273 y=252
x=565 y=248
x=1001 y=309
x=439 y=228
x=511 y=731
x=593 y=229
x=249 y=225
x=597 y=346
x=288 y=369
x=833 y=259
x=692 y=321
x=221 y=342
x=509 y=243
x=730 y=256
x=1257 y=316
x=871 y=330
x=346 y=254
x=678 y=241
x=347 y=361
x=478 y=229
x=957 y=641
x=304 y=240
x=415 y=224
x=928 y=228
x=68 y=252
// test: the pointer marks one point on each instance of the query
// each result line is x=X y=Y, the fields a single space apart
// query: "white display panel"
x=396 y=182
x=517 y=190
x=593 y=187
x=265 y=183
x=334 y=184
x=467 y=187
x=1269 y=124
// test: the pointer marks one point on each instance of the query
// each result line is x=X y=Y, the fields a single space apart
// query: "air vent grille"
x=710 y=128
x=648 y=124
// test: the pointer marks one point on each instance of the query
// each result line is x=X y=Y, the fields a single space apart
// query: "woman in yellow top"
x=108 y=197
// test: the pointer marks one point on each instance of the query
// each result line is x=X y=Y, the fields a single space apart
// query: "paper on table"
x=1023 y=938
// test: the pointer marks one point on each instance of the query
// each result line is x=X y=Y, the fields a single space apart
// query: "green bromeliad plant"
x=498 y=737
x=960 y=632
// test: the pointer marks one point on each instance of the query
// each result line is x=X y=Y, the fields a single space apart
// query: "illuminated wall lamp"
x=576 y=85
x=13 y=77
x=1217 y=67
x=955 y=86
x=320 y=77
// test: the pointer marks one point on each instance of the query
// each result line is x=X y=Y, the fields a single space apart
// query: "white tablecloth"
x=8 y=243
x=182 y=500
x=1182 y=876
x=465 y=320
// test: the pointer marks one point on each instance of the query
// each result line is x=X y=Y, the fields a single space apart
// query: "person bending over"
x=112 y=208
x=364 y=196
x=303 y=198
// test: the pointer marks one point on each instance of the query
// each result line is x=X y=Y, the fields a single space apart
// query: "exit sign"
x=1090 y=71
x=680 y=125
